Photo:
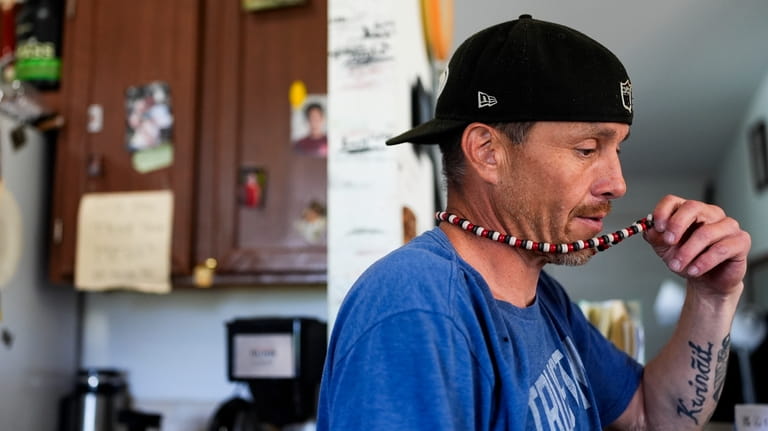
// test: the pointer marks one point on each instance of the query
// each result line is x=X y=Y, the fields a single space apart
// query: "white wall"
x=38 y=367
x=735 y=190
x=734 y=187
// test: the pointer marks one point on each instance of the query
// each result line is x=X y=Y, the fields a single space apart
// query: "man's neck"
x=511 y=274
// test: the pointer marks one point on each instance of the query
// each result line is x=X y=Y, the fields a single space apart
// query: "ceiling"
x=694 y=65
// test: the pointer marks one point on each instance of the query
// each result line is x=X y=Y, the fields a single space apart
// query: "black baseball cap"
x=527 y=70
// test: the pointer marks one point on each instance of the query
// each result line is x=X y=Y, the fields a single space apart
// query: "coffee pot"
x=100 y=402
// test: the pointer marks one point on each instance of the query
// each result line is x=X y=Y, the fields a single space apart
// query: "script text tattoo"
x=701 y=363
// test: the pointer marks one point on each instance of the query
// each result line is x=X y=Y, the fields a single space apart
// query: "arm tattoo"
x=701 y=363
x=721 y=367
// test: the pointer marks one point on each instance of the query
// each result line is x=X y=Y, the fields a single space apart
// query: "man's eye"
x=586 y=151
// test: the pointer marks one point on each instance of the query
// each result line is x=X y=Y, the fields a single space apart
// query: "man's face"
x=557 y=186
x=316 y=121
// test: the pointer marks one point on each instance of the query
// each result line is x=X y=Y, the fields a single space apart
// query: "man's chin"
x=577 y=258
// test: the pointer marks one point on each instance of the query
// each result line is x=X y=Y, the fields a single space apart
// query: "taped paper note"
x=124 y=241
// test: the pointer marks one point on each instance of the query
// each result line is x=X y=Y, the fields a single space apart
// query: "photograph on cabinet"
x=312 y=226
x=252 y=187
x=308 y=126
x=149 y=126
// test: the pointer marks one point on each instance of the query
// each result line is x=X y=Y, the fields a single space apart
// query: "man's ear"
x=481 y=148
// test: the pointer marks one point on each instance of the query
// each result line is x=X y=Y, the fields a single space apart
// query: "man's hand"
x=682 y=384
x=701 y=243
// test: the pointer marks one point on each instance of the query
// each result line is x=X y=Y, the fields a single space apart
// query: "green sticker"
x=152 y=159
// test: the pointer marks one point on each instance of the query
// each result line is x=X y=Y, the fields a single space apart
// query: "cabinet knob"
x=95 y=167
x=58 y=231
x=205 y=271
x=95 y=119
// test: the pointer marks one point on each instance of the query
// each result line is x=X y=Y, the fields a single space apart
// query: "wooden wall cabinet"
x=229 y=72
x=247 y=126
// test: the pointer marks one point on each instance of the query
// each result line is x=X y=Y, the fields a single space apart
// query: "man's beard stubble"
x=580 y=257
x=576 y=258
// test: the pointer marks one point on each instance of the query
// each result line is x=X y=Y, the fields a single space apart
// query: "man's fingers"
x=674 y=216
x=731 y=247
x=697 y=240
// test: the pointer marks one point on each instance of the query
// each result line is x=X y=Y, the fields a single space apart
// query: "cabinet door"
x=111 y=45
x=250 y=60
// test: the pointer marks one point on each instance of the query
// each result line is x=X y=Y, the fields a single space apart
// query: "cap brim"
x=431 y=132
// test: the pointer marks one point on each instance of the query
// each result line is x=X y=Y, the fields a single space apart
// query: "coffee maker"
x=281 y=361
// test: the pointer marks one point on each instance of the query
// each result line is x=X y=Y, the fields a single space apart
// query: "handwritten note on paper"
x=124 y=241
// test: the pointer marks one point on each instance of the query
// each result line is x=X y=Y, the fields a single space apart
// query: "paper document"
x=124 y=241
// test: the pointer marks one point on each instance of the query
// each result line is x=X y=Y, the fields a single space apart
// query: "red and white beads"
x=599 y=243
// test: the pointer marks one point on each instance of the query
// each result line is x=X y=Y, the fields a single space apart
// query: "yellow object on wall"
x=438 y=27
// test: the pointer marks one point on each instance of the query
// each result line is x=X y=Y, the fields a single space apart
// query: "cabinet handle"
x=204 y=272
x=95 y=118
x=94 y=168
x=58 y=231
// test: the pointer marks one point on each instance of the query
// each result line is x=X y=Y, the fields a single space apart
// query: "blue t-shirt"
x=421 y=344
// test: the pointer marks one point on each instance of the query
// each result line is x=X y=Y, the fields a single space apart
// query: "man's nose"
x=610 y=183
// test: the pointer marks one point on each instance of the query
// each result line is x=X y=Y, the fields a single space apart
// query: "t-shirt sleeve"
x=613 y=374
x=412 y=370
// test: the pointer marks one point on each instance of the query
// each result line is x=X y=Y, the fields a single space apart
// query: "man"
x=459 y=331
x=315 y=143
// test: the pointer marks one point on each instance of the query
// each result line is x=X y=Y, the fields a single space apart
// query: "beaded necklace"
x=599 y=243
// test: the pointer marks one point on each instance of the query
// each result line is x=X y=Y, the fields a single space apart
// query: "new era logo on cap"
x=485 y=100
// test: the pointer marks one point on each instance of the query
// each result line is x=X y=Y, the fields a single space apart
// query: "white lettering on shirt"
x=550 y=392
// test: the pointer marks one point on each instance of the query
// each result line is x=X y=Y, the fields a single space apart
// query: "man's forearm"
x=684 y=383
